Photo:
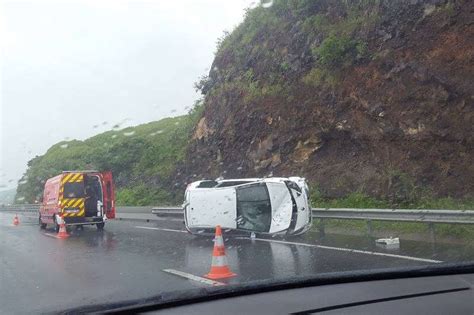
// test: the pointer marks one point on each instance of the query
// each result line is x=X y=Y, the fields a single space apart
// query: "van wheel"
x=56 y=225
x=100 y=226
x=41 y=224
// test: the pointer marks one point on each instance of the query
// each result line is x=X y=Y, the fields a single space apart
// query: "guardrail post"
x=432 y=232
x=369 y=228
x=322 y=232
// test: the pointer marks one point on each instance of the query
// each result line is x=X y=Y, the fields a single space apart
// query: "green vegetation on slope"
x=141 y=158
x=362 y=201
x=258 y=68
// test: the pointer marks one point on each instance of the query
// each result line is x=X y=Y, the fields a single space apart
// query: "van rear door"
x=109 y=195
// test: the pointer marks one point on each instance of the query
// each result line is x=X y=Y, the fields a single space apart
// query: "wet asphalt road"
x=40 y=273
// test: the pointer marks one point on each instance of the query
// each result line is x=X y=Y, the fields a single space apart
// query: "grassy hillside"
x=142 y=158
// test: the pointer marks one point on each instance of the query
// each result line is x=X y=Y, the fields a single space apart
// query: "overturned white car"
x=260 y=205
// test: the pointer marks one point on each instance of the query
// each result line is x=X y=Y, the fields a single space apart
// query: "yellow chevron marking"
x=73 y=178
x=77 y=203
x=70 y=202
x=67 y=177
x=76 y=178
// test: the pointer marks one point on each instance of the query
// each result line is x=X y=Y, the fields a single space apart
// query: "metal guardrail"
x=167 y=211
x=33 y=208
x=401 y=215
x=405 y=215
x=20 y=208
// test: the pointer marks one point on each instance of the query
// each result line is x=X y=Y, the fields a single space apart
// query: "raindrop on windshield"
x=253 y=5
x=20 y=198
x=113 y=136
x=266 y=4
x=64 y=146
x=128 y=134
x=156 y=133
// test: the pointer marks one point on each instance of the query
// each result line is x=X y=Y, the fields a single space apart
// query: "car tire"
x=41 y=224
x=56 y=225
x=100 y=226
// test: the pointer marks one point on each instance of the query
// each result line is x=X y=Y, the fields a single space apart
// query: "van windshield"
x=74 y=190
x=254 y=211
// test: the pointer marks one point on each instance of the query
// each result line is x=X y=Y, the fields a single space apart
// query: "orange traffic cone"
x=219 y=267
x=62 y=230
x=16 y=221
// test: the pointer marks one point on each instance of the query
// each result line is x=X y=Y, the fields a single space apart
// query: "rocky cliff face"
x=371 y=96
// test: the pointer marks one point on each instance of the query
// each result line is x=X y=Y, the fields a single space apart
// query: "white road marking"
x=352 y=250
x=160 y=229
x=193 y=277
x=51 y=235
x=357 y=251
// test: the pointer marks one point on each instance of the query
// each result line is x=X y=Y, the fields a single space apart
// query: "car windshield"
x=254 y=211
x=154 y=147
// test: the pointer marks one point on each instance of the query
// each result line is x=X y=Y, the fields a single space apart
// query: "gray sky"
x=69 y=65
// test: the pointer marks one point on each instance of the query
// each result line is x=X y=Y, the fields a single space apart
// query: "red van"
x=79 y=197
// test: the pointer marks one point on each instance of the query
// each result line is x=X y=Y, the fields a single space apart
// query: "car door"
x=109 y=194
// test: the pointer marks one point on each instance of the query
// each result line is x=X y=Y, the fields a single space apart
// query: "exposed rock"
x=303 y=150
x=202 y=131
x=406 y=108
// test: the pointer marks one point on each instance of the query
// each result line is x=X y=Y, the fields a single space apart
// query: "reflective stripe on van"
x=74 y=207
x=72 y=178
x=71 y=207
